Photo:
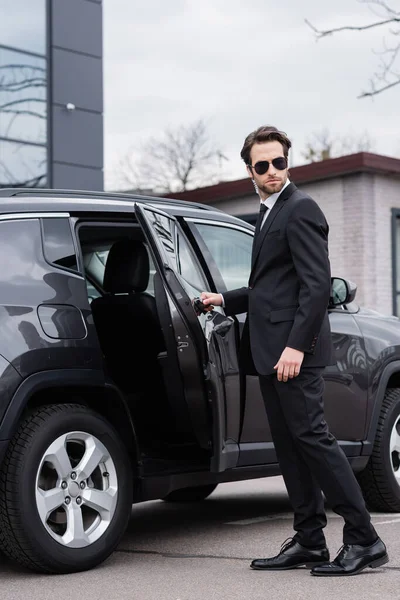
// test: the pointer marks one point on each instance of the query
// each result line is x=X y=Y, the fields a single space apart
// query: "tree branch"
x=28 y=183
x=18 y=87
x=374 y=92
x=326 y=32
x=21 y=101
x=22 y=66
x=385 y=75
x=24 y=112
x=383 y=5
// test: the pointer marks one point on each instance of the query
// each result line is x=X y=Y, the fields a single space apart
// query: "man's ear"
x=249 y=172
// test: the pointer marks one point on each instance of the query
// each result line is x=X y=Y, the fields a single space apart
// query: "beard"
x=272 y=188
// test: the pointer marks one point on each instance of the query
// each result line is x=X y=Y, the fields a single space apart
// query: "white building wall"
x=358 y=210
x=360 y=238
x=348 y=204
x=245 y=205
x=329 y=195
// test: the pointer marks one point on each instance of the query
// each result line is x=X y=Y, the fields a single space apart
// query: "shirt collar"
x=269 y=202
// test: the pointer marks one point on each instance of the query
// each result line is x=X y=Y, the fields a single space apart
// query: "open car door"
x=205 y=346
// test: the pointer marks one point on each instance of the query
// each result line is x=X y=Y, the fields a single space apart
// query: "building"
x=51 y=94
x=360 y=196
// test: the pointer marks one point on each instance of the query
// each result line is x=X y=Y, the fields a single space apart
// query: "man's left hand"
x=289 y=364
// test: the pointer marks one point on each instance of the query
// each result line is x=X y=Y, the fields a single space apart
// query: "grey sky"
x=241 y=64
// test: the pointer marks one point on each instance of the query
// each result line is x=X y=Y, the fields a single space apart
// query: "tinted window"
x=58 y=244
x=23 y=93
x=231 y=251
x=187 y=265
x=22 y=96
x=178 y=253
x=23 y=24
x=165 y=230
x=22 y=165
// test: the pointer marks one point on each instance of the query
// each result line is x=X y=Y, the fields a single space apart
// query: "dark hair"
x=265 y=133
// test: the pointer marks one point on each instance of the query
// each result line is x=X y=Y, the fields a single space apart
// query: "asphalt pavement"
x=203 y=551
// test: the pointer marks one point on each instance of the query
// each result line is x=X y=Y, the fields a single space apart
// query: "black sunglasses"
x=262 y=166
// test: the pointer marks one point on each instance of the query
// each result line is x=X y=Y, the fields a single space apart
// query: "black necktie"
x=263 y=210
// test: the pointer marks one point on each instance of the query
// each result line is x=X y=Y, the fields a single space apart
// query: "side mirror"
x=342 y=291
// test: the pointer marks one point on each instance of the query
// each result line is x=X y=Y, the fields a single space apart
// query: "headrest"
x=127 y=267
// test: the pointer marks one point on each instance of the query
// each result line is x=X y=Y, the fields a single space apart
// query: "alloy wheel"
x=395 y=449
x=76 y=489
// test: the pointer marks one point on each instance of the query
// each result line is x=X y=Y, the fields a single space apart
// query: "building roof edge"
x=362 y=162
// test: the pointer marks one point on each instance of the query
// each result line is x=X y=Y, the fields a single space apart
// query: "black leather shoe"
x=292 y=555
x=352 y=559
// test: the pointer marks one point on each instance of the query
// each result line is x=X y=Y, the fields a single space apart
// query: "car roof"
x=14 y=200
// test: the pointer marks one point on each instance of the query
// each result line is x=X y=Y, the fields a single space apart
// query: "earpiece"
x=256 y=187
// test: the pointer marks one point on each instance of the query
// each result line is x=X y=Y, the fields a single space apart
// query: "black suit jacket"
x=289 y=287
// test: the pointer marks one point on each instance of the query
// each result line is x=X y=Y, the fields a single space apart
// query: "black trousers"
x=311 y=460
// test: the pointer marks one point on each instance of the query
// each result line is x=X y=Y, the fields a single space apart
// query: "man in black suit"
x=287 y=341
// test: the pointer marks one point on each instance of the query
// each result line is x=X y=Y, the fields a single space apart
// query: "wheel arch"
x=85 y=386
x=390 y=378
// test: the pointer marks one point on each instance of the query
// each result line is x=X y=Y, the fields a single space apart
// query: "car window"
x=179 y=256
x=178 y=253
x=231 y=251
x=58 y=245
x=188 y=267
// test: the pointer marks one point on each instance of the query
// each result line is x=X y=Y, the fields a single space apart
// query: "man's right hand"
x=210 y=298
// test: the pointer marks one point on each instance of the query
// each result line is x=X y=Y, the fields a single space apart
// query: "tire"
x=191 y=494
x=380 y=480
x=56 y=515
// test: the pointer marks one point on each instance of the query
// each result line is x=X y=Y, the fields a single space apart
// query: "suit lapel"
x=258 y=241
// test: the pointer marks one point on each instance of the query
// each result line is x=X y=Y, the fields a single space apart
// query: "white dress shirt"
x=270 y=201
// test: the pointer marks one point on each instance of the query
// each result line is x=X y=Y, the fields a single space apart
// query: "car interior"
x=120 y=277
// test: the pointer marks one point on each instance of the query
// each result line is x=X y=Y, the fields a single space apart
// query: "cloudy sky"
x=238 y=65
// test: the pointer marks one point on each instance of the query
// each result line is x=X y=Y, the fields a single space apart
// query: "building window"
x=23 y=25
x=23 y=94
x=22 y=164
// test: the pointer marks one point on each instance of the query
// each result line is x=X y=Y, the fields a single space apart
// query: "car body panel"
x=381 y=334
x=28 y=281
x=9 y=382
x=346 y=382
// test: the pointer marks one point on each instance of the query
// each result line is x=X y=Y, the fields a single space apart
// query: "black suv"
x=116 y=388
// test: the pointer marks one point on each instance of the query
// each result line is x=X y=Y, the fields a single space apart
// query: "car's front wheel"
x=65 y=490
x=380 y=480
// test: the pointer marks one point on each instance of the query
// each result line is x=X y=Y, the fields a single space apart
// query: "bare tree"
x=323 y=145
x=176 y=160
x=386 y=75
